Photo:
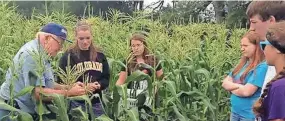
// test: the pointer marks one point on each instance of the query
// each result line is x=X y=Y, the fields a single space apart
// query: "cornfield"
x=195 y=58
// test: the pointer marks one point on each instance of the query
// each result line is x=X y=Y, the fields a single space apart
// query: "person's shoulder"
x=278 y=83
x=66 y=53
x=100 y=54
x=27 y=52
x=29 y=48
x=31 y=45
x=154 y=57
x=262 y=65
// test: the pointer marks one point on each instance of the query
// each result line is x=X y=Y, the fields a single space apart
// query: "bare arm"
x=122 y=78
x=253 y=82
x=244 y=90
x=38 y=90
x=277 y=120
x=76 y=90
x=59 y=86
x=227 y=84
x=239 y=89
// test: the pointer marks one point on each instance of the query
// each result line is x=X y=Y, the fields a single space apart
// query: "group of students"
x=83 y=55
x=257 y=83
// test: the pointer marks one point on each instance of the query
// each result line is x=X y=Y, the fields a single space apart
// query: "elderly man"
x=48 y=43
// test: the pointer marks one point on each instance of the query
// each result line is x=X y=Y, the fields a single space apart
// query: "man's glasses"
x=58 y=41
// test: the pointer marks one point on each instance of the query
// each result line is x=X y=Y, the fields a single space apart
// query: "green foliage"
x=237 y=17
x=16 y=114
x=191 y=87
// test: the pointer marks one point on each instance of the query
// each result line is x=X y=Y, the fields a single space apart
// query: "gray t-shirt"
x=25 y=67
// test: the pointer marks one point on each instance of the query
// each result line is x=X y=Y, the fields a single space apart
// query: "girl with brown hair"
x=88 y=60
x=246 y=80
x=271 y=105
x=139 y=54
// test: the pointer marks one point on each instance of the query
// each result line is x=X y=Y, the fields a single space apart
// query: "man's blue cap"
x=56 y=29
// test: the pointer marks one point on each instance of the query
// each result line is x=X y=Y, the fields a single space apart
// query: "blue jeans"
x=97 y=108
x=237 y=117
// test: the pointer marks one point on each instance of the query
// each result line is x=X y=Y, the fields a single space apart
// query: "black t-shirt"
x=96 y=70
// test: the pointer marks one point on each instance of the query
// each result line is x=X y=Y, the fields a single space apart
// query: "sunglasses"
x=263 y=44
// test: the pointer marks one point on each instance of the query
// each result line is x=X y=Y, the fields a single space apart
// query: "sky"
x=148 y=2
